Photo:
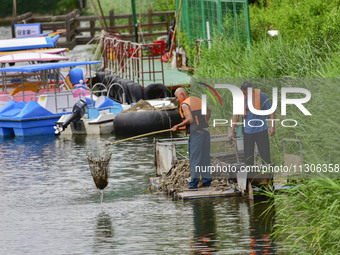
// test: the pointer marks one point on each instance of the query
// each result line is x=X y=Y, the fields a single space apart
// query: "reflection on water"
x=233 y=225
x=204 y=227
x=50 y=205
x=104 y=234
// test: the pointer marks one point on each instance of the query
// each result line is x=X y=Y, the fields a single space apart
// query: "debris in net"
x=179 y=177
x=99 y=166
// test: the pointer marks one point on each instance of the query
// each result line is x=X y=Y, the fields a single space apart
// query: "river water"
x=50 y=205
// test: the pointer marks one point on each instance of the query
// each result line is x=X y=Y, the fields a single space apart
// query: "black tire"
x=99 y=77
x=125 y=83
x=117 y=79
x=115 y=92
x=137 y=91
x=135 y=123
x=156 y=90
x=108 y=79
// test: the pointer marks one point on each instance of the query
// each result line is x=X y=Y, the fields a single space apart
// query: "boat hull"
x=28 y=127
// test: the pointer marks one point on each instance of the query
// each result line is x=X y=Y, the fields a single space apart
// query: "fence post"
x=68 y=29
x=130 y=24
x=92 y=25
x=14 y=21
x=150 y=20
x=112 y=20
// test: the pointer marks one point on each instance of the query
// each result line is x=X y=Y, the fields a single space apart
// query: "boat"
x=39 y=114
x=30 y=57
x=47 y=51
x=124 y=108
x=107 y=116
x=28 y=43
x=12 y=82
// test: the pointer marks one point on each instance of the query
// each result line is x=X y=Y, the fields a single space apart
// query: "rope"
x=138 y=136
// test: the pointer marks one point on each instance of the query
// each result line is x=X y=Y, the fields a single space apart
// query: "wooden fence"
x=83 y=29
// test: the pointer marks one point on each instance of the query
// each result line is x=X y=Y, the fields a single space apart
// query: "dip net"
x=99 y=166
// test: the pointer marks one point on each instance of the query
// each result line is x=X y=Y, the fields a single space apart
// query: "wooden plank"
x=206 y=193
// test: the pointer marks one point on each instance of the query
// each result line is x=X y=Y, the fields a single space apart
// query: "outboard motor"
x=78 y=112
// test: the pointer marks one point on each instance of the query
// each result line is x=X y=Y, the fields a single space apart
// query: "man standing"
x=196 y=125
x=255 y=126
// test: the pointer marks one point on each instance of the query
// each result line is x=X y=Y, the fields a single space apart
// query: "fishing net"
x=99 y=166
x=179 y=177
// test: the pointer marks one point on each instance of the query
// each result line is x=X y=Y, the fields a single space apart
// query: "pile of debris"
x=178 y=177
x=143 y=105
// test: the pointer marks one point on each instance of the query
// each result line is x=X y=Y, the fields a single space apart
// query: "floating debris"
x=99 y=166
x=178 y=177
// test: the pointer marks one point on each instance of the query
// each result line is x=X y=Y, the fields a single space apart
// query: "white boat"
x=47 y=51
x=30 y=57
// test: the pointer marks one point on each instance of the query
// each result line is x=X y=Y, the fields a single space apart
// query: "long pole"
x=138 y=136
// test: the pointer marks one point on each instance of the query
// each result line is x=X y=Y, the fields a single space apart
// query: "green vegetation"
x=124 y=7
x=305 y=54
x=38 y=6
x=307 y=216
x=318 y=21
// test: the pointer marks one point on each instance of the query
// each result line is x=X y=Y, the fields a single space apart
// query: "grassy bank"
x=307 y=217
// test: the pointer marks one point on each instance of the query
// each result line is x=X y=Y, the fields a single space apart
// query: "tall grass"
x=265 y=59
x=307 y=217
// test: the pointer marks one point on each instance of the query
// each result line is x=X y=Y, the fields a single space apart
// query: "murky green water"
x=49 y=205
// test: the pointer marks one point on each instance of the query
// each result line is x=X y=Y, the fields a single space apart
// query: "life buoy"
x=156 y=90
x=140 y=122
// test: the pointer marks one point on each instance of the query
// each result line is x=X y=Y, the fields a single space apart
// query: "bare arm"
x=187 y=121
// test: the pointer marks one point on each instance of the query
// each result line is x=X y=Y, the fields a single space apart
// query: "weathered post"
x=150 y=20
x=112 y=20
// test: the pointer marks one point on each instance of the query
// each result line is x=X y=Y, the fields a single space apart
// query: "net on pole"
x=99 y=166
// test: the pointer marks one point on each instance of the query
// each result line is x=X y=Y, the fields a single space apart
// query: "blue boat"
x=26 y=119
x=39 y=115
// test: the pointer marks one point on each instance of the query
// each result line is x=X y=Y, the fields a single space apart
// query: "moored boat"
x=38 y=116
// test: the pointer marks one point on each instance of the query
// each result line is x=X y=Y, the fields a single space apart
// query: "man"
x=256 y=128
x=196 y=125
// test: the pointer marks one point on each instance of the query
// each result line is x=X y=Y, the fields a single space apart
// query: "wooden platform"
x=211 y=192
x=206 y=193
